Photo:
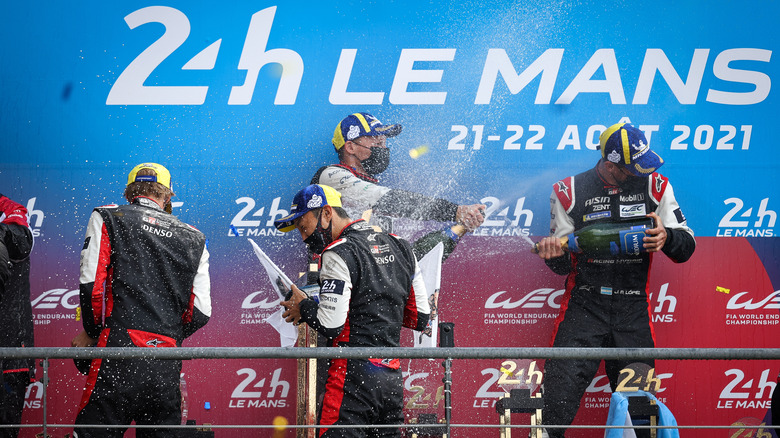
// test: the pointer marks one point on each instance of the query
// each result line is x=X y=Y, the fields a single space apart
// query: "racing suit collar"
x=359 y=173
x=352 y=226
x=146 y=202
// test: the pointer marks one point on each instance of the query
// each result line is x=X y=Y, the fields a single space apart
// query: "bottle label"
x=574 y=246
x=631 y=240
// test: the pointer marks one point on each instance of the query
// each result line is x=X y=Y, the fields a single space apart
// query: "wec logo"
x=632 y=210
x=53 y=298
x=250 y=303
x=772 y=301
x=534 y=300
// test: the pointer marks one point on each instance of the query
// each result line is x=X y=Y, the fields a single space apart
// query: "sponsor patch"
x=633 y=210
x=636 y=197
x=353 y=133
x=332 y=286
x=379 y=249
x=679 y=215
x=594 y=216
x=314 y=202
x=86 y=242
x=563 y=188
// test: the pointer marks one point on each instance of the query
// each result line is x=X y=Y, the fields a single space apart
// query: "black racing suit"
x=144 y=282
x=16 y=323
x=606 y=302
x=370 y=286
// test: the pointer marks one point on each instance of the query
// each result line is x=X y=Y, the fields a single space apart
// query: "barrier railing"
x=183 y=353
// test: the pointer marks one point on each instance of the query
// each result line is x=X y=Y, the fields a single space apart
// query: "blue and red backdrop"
x=239 y=100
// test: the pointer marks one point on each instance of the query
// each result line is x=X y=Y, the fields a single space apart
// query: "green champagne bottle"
x=449 y=236
x=608 y=239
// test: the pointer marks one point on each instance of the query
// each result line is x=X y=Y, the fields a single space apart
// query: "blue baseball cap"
x=310 y=198
x=627 y=146
x=359 y=125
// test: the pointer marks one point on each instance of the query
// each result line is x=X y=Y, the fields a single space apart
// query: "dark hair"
x=151 y=189
x=340 y=152
x=340 y=212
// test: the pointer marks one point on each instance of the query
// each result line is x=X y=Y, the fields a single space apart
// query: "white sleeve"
x=201 y=286
x=670 y=213
x=357 y=195
x=560 y=223
x=336 y=291
x=90 y=253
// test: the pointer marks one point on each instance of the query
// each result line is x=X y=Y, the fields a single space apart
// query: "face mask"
x=320 y=237
x=377 y=162
x=632 y=182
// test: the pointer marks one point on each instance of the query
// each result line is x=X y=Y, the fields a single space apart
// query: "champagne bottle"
x=608 y=239
x=449 y=236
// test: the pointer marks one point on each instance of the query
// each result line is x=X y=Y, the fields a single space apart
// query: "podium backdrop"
x=239 y=100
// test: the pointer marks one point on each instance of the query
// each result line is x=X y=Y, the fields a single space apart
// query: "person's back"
x=144 y=282
x=148 y=245
x=16 y=319
x=381 y=268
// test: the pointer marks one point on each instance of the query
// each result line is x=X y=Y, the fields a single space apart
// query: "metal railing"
x=400 y=352
x=47 y=354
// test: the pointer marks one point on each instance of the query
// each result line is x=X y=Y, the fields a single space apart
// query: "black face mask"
x=377 y=162
x=320 y=237
x=632 y=183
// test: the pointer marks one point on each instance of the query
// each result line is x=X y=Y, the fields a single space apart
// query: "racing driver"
x=606 y=301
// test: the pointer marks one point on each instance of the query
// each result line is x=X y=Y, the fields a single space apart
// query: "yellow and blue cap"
x=627 y=146
x=161 y=174
x=359 y=125
x=310 y=198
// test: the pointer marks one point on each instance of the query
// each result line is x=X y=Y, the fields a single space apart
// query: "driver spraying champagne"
x=605 y=303
x=360 y=140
